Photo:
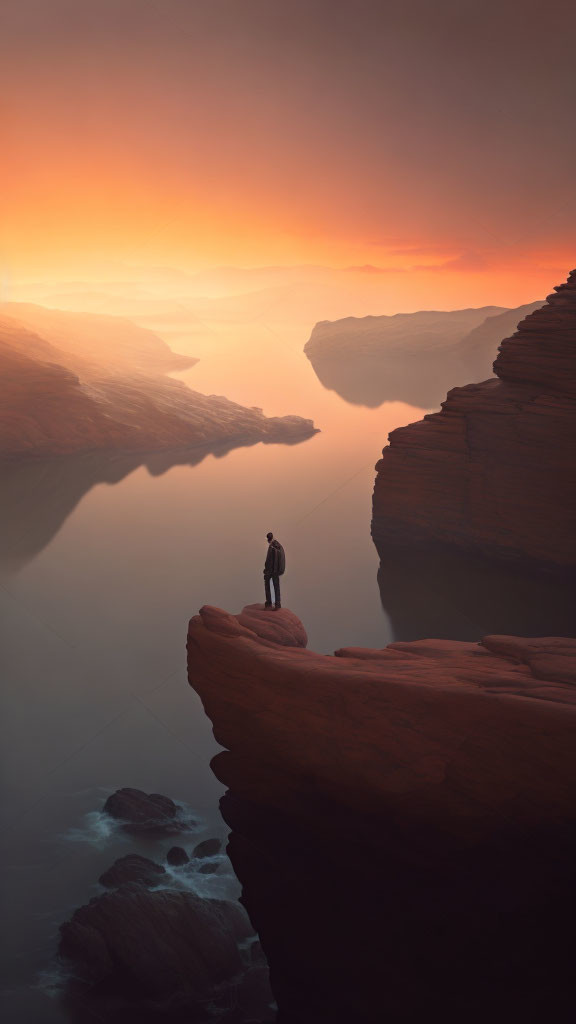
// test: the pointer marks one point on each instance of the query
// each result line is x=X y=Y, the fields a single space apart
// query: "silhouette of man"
x=273 y=569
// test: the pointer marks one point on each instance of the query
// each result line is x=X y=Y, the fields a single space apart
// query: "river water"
x=103 y=562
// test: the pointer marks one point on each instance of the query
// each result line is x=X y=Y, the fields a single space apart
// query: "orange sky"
x=216 y=132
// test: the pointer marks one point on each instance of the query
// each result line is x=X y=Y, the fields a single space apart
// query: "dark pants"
x=276 y=582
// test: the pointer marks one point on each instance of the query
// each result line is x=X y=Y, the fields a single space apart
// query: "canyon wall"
x=494 y=471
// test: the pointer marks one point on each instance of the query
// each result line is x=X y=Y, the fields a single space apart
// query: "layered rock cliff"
x=402 y=819
x=494 y=471
x=79 y=398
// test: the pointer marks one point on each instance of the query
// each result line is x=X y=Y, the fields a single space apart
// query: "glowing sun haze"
x=190 y=133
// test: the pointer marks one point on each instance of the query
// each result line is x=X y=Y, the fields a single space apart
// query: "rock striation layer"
x=403 y=820
x=494 y=470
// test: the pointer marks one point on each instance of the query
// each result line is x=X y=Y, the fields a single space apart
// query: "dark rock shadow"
x=452 y=596
x=369 y=919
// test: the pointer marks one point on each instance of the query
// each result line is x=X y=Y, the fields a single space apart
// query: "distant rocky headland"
x=74 y=383
x=408 y=357
x=402 y=819
x=495 y=471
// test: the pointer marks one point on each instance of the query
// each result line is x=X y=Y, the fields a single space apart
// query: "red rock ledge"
x=473 y=732
x=495 y=470
x=402 y=819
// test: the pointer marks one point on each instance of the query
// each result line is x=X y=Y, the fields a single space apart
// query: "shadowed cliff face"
x=402 y=820
x=458 y=596
x=493 y=472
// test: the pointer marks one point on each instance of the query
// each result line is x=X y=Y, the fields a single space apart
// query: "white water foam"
x=97 y=829
x=222 y=884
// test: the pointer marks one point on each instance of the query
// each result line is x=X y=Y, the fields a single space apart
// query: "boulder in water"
x=132 y=868
x=177 y=856
x=208 y=848
x=146 y=812
x=160 y=944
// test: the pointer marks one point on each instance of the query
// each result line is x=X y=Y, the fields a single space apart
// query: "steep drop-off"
x=402 y=819
x=495 y=470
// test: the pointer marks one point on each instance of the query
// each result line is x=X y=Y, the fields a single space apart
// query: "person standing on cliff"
x=273 y=569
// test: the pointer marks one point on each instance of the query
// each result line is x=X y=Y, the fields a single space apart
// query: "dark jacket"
x=274 y=564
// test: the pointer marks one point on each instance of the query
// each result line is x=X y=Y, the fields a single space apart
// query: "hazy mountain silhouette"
x=101 y=340
x=301 y=294
x=66 y=392
x=409 y=357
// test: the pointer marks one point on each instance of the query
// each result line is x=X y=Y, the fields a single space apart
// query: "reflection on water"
x=38 y=495
x=420 y=380
x=103 y=561
x=459 y=597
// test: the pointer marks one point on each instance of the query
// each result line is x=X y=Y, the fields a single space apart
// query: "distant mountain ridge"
x=410 y=357
x=98 y=339
x=408 y=332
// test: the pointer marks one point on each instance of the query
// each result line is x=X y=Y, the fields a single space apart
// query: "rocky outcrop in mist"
x=494 y=471
x=62 y=397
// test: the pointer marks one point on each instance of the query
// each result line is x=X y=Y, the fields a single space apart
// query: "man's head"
x=269 y=537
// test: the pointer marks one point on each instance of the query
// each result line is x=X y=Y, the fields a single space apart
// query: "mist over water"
x=103 y=561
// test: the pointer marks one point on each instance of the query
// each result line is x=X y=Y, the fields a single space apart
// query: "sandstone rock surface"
x=402 y=819
x=494 y=471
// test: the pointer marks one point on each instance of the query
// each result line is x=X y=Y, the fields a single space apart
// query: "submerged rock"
x=132 y=868
x=210 y=868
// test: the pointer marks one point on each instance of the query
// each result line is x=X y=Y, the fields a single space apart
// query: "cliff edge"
x=495 y=470
x=402 y=819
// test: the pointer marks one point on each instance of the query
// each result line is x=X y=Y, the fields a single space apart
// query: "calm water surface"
x=101 y=565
